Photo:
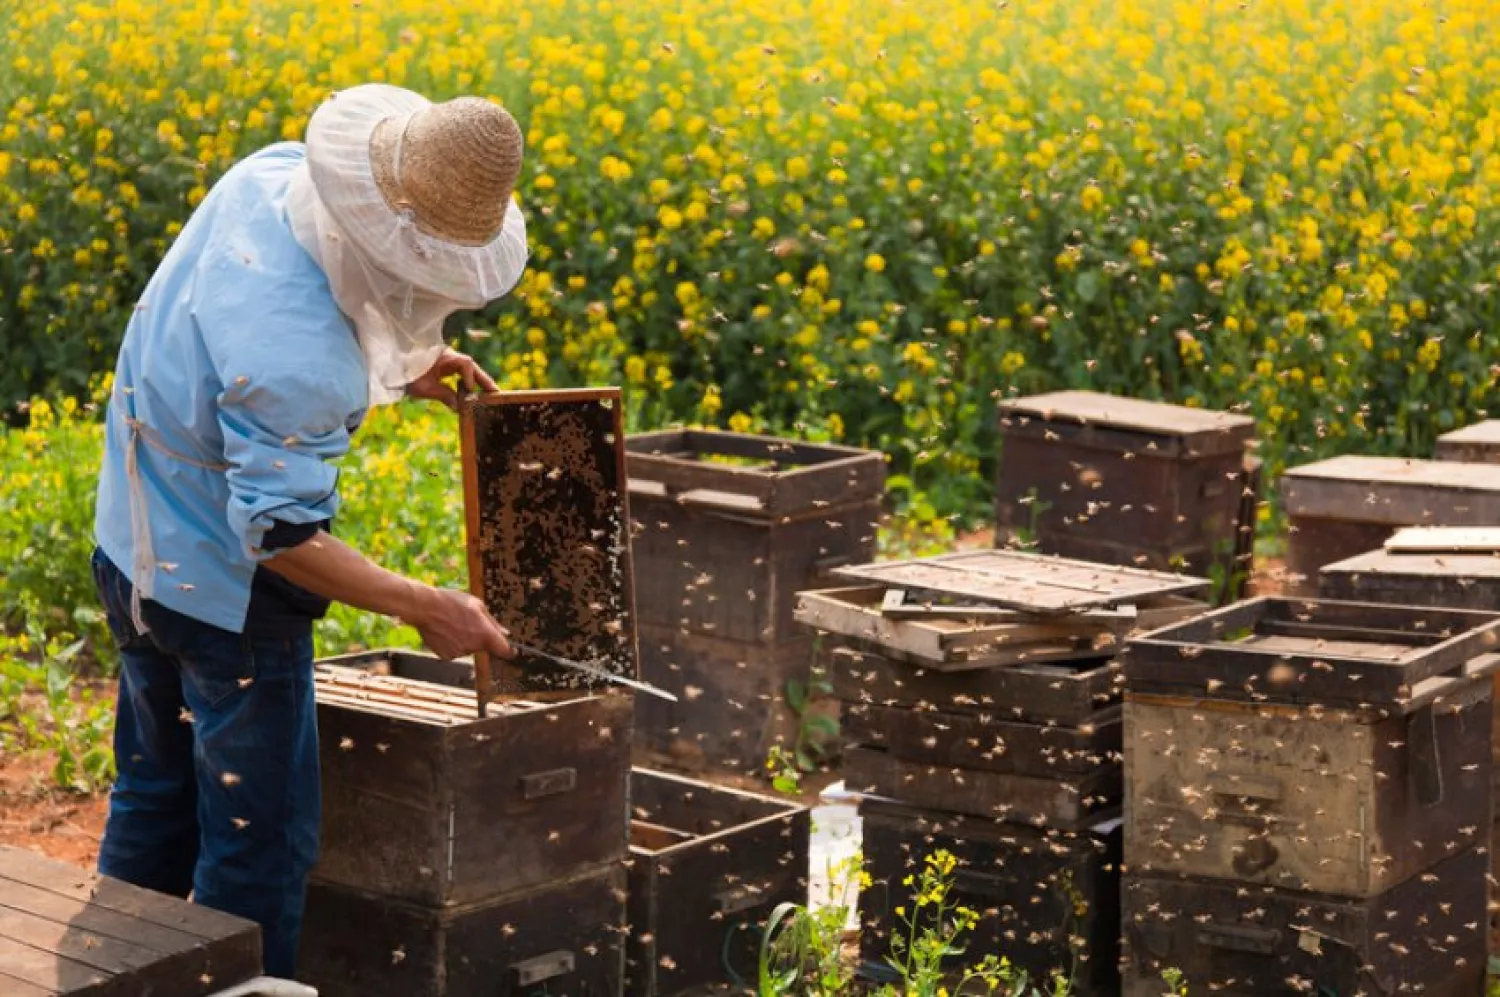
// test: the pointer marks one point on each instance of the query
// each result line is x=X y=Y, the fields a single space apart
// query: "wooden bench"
x=64 y=930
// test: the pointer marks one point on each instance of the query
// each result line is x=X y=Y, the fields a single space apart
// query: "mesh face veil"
x=396 y=283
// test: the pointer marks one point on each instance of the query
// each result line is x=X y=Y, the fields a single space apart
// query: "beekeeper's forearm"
x=328 y=567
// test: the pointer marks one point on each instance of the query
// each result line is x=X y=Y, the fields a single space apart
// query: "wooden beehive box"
x=1048 y=900
x=566 y=939
x=727 y=528
x=547 y=520
x=1349 y=505
x=1425 y=936
x=1122 y=481
x=1476 y=444
x=1309 y=651
x=67 y=931
x=1347 y=802
x=424 y=802
x=731 y=526
x=708 y=864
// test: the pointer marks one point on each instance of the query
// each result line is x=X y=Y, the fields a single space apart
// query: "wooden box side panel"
x=568 y=938
x=731 y=700
x=548 y=538
x=1065 y=694
x=542 y=797
x=985 y=742
x=1313 y=543
x=714 y=896
x=1046 y=900
x=1237 y=793
x=699 y=808
x=1426 y=934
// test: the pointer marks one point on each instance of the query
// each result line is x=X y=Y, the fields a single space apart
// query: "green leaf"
x=1088 y=285
x=796 y=695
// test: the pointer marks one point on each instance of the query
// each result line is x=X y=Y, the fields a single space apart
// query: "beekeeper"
x=310 y=284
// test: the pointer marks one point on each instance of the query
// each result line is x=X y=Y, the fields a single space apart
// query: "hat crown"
x=451 y=166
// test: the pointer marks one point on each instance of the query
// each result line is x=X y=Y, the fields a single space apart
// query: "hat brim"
x=339 y=160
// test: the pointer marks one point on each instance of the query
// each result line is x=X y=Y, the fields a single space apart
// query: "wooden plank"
x=548 y=517
x=1445 y=540
x=27 y=867
x=107 y=955
x=1477 y=444
x=14 y=986
x=1070 y=805
x=1018 y=580
x=43 y=972
x=80 y=914
x=1394 y=491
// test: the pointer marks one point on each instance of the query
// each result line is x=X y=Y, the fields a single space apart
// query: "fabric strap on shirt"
x=144 y=568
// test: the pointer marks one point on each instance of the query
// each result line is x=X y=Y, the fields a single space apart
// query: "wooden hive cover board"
x=1487 y=432
x=64 y=930
x=1479 y=567
x=1198 y=430
x=1018 y=580
x=548 y=541
x=1394 y=491
x=1445 y=540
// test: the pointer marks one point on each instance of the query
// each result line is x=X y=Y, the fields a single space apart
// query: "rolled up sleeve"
x=282 y=429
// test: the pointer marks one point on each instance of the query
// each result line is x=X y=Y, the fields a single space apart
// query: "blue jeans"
x=216 y=742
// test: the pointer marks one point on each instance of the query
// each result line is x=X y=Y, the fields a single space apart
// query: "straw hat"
x=453 y=165
x=423 y=190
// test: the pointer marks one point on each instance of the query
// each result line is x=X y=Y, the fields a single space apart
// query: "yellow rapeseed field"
x=859 y=219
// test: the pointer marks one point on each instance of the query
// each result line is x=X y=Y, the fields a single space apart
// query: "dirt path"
x=34 y=815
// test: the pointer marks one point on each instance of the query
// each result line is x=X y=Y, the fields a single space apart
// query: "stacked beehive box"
x=980 y=713
x=1308 y=800
x=1346 y=506
x=1476 y=444
x=727 y=529
x=1454 y=568
x=475 y=818
x=1122 y=481
x=708 y=865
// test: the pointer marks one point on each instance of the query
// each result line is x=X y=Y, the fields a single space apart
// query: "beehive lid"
x=1310 y=650
x=1179 y=428
x=547 y=532
x=1394 y=491
x=1019 y=580
x=1486 y=432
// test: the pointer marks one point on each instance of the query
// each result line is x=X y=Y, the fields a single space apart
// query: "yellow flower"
x=1091 y=198
x=669 y=217
x=875 y=262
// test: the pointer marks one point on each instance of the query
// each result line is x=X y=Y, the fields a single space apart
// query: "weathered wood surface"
x=1475 y=444
x=1445 y=540
x=67 y=931
x=1393 y=491
x=1066 y=803
x=1425 y=936
x=1028 y=582
x=1313 y=543
x=1047 y=900
x=735 y=577
x=986 y=742
x=708 y=865
x=565 y=940
x=1068 y=693
x=951 y=638
x=1241 y=792
x=731 y=700
x=1458 y=581
x=548 y=531
x=1278 y=649
x=783 y=477
x=1172 y=431
x=459 y=811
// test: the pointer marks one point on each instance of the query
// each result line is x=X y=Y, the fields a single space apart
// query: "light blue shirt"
x=238 y=358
